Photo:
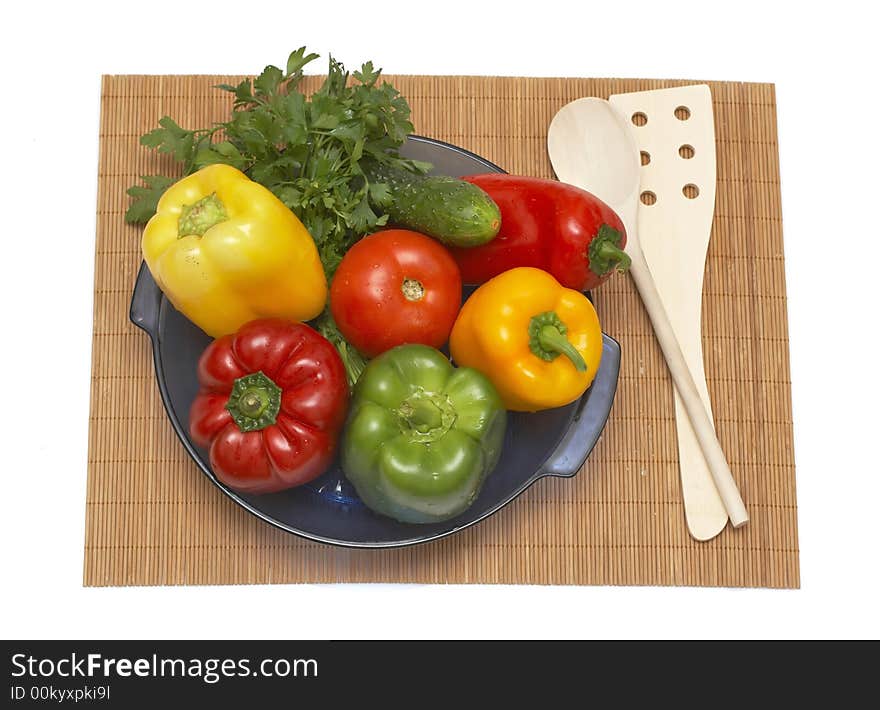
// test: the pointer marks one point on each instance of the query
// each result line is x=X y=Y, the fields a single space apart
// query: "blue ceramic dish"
x=555 y=442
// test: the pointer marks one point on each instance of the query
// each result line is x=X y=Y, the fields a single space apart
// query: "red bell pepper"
x=271 y=406
x=549 y=225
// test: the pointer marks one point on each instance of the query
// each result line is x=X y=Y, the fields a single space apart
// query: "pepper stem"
x=254 y=402
x=421 y=413
x=200 y=216
x=605 y=252
x=426 y=416
x=551 y=339
x=547 y=340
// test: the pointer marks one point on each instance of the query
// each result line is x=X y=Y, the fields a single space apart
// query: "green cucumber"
x=452 y=211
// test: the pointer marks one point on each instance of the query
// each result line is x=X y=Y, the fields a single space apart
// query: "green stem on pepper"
x=200 y=216
x=605 y=252
x=254 y=402
x=547 y=340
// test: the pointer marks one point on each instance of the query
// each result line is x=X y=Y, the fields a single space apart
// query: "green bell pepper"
x=422 y=435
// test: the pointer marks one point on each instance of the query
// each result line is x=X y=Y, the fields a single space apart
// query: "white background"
x=819 y=57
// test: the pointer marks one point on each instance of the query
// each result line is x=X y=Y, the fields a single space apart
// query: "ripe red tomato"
x=395 y=287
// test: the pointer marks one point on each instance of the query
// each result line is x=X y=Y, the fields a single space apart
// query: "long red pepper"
x=548 y=225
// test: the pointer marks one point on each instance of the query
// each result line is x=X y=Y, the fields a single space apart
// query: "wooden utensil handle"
x=687 y=389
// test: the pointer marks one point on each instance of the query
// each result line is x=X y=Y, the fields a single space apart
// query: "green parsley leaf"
x=367 y=75
x=362 y=217
x=267 y=83
x=296 y=61
x=146 y=197
x=380 y=194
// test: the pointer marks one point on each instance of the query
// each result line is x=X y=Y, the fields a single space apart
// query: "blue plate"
x=555 y=442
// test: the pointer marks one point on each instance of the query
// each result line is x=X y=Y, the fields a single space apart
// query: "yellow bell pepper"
x=539 y=343
x=225 y=251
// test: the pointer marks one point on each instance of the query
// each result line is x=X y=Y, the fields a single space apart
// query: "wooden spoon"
x=590 y=146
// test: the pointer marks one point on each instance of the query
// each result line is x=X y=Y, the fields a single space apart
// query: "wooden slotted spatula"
x=675 y=134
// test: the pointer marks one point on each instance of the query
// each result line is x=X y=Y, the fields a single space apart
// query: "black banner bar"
x=248 y=674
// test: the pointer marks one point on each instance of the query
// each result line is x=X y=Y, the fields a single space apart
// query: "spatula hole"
x=646 y=157
x=690 y=191
x=686 y=152
x=682 y=113
x=639 y=118
x=648 y=198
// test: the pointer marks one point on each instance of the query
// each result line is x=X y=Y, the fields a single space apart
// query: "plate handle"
x=145 y=302
x=580 y=438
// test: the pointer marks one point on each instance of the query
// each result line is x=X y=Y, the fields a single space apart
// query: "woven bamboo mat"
x=152 y=518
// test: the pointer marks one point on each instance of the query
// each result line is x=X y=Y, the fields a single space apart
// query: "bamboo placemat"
x=152 y=518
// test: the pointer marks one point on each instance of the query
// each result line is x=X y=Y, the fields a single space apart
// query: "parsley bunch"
x=309 y=151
